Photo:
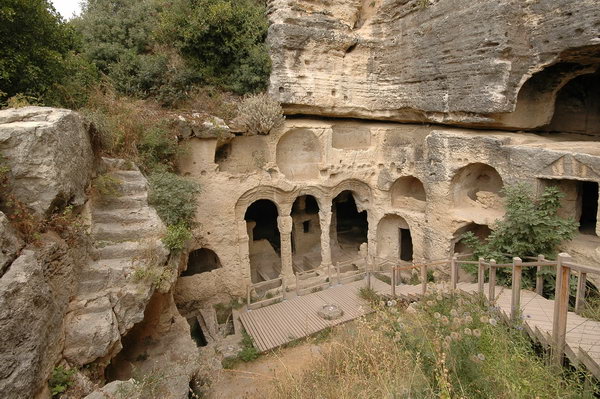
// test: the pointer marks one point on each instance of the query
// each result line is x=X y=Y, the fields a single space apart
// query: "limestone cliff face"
x=446 y=61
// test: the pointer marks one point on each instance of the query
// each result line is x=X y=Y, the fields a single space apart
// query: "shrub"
x=60 y=380
x=249 y=351
x=174 y=199
x=259 y=114
x=530 y=227
x=224 y=39
x=176 y=237
x=35 y=41
x=157 y=146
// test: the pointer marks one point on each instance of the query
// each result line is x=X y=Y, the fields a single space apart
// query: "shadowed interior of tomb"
x=481 y=231
x=306 y=234
x=394 y=239
x=299 y=155
x=408 y=191
x=201 y=261
x=476 y=184
x=264 y=240
x=349 y=227
x=580 y=202
x=577 y=107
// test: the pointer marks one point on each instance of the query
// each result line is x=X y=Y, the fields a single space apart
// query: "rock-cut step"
x=124 y=249
x=118 y=232
x=128 y=202
x=123 y=216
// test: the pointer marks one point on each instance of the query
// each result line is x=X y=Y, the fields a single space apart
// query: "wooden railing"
x=315 y=273
x=262 y=302
x=564 y=266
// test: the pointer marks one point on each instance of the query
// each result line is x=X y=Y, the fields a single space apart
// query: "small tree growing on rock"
x=259 y=114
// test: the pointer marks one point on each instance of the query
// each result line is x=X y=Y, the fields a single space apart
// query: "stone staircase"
x=126 y=233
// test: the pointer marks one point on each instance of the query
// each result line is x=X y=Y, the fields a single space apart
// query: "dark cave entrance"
x=265 y=241
x=589 y=207
x=406 y=245
x=201 y=261
x=351 y=226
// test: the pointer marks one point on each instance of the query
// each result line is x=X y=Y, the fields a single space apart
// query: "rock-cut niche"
x=408 y=192
x=477 y=184
x=299 y=155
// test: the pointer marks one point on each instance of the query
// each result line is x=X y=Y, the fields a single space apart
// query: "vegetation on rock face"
x=450 y=345
x=60 y=380
x=259 y=114
x=530 y=227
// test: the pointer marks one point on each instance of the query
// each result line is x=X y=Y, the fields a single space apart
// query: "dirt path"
x=253 y=380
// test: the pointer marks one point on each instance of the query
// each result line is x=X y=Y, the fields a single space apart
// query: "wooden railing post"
x=297 y=285
x=248 y=290
x=580 y=297
x=561 y=308
x=480 y=276
x=394 y=282
x=492 y=281
x=453 y=271
x=423 y=279
x=539 y=279
x=517 y=269
x=329 y=275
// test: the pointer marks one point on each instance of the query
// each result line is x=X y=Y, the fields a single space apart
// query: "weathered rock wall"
x=461 y=172
x=444 y=61
x=49 y=156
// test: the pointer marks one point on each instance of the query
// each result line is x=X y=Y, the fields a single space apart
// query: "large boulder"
x=477 y=63
x=30 y=323
x=49 y=156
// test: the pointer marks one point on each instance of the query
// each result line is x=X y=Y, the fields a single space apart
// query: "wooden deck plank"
x=295 y=318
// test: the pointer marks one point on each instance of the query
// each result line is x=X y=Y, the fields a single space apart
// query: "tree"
x=35 y=42
x=224 y=39
x=530 y=227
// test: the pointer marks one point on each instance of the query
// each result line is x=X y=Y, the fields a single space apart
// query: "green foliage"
x=530 y=227
x=248 y=352
x=176 y=237
x=35 y=42
x=368 y=294
x=118 y=37
x=157 y=146
x=174 y=199
x=224 y=39
x=60 y=380
x=450 y=345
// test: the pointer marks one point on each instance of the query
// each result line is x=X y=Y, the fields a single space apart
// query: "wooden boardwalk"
x=295 y=318
x=283 y=322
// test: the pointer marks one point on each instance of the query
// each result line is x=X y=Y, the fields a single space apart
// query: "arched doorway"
x=481 y=231
x=394 y=239
x=306 y=234
x=264 y=241
x=201 y=261
x=349 y=227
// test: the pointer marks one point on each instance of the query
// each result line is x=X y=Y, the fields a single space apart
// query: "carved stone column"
x=284 y=223
x=325 y=222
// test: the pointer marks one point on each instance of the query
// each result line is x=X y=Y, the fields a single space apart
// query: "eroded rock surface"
x=10 y=244
x=442 y=61
x=49 y=156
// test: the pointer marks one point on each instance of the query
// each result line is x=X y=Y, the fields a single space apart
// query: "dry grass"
x=449 y=346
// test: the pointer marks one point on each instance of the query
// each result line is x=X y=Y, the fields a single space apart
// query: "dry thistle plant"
x=259 y=114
